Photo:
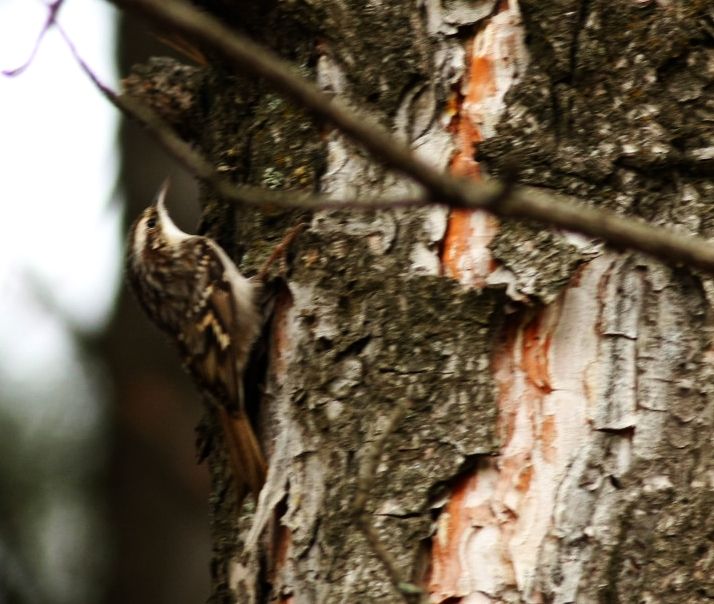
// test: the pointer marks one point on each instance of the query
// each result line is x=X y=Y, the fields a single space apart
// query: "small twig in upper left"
x=52 y=11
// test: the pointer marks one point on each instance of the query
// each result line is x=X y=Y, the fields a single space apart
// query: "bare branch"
x=365 y=482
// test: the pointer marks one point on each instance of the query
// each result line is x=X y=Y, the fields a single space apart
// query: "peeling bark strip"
x=588 y=374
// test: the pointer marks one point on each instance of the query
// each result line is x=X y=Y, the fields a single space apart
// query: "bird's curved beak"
x=168 y=229
x=160 y=199
x=160 y=204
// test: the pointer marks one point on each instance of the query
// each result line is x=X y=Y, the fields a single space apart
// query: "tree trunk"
x=555 y=428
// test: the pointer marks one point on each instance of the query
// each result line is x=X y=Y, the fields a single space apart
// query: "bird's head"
x=153 y=230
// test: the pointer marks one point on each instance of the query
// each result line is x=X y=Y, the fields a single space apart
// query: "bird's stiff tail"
x=249 y=467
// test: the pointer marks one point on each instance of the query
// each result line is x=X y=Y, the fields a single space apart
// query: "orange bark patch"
x=452 y=525
x=481 y=82
x=465 y=253
x=524 y=476
x=456 y=241
x=536 y=343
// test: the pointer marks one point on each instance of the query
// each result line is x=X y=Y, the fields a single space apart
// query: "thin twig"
x=663 y=244
x=52 y=11
x=523 y=202
x=365 y=481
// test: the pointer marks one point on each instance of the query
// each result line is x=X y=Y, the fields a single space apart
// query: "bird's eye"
x=151 y=223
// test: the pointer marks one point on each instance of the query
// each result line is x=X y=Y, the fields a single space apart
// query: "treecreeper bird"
x=194 y=292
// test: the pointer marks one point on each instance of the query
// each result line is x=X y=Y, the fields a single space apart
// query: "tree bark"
x=555 y=395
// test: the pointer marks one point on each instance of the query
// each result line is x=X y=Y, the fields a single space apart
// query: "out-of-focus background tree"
x=100 y=496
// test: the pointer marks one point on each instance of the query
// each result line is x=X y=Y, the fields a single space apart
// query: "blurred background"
x=100 y=496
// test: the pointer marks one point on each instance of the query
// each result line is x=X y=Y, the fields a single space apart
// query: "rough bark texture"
x=591 y=377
